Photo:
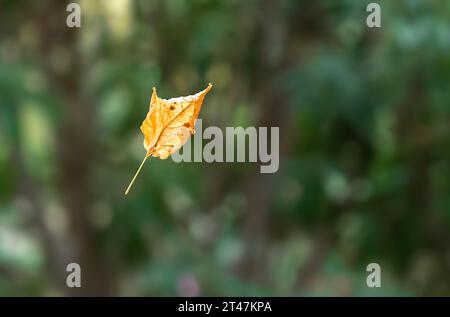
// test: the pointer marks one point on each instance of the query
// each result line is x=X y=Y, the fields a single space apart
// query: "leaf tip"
x=154 y=95
x=207 y=89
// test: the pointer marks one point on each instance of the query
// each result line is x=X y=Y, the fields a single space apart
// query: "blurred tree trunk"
x=59 y=46
x=272 y=104
x=274 y=30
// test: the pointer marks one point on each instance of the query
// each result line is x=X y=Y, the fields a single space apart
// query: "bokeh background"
x=364 y=148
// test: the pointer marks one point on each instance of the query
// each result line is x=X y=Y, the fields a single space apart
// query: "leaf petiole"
x=135 y=175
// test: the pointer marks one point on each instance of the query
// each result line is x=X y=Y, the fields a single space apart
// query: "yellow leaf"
x=168 y=125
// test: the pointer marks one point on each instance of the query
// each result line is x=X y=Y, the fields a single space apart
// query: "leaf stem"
x=135 y=175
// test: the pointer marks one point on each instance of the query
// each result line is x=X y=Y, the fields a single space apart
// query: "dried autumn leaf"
x=168 y=125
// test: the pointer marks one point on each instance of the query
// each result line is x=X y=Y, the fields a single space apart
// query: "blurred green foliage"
x=364 y=173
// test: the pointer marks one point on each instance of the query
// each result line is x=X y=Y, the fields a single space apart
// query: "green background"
x=364 y=148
